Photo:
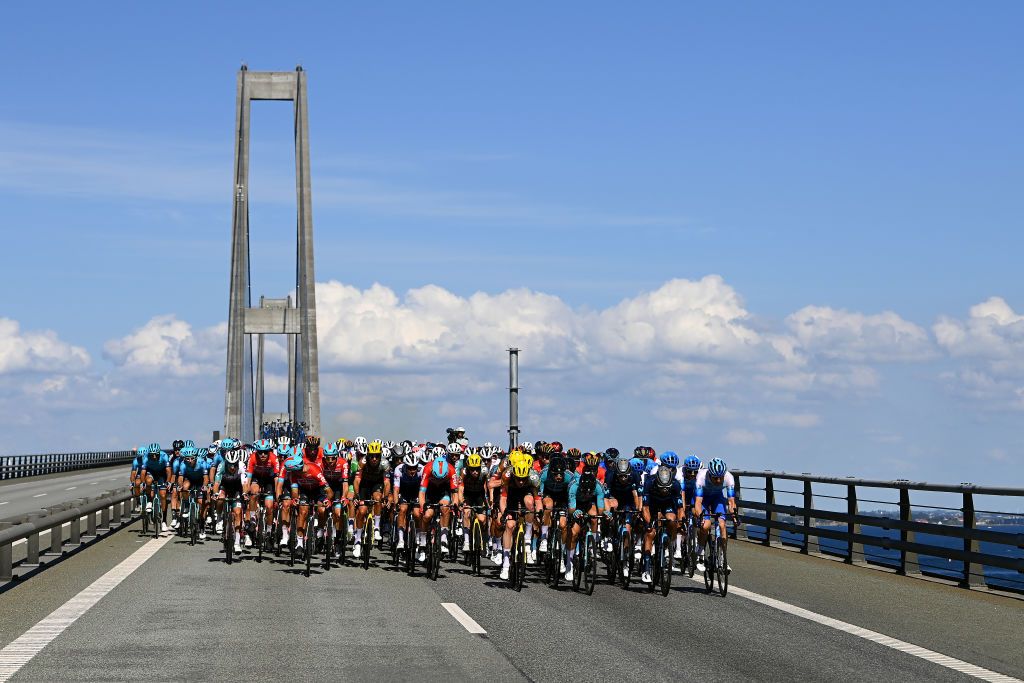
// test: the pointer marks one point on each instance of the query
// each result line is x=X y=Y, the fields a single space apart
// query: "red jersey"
x=450 y=483
x=310 y=476
x=262 y=469
x=600 y=470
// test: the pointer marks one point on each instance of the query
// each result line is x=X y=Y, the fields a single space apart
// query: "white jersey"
x=728 y=482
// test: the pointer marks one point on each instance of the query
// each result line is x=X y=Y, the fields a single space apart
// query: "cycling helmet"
x=407 y=443
x=188 y=452
x=716 y=468
x=588 y=480
x=189 y=443
x=557 y=465
x=154 y=447
x=474 y=461
x=692 y=463
x=313 y=441
x=670 y=458
x=411 y=460
x=212 y=450
x=331 y=450
x=454 y=448
x=293 y=463
x=521 y=469
x=361 y=441
x=556 y=446
x=488 y=445
x=439 y=470
x=178 y=444
x=283 y=441
x=638 y=465
x=228 y=444
x=612 y=452
x=373 y=448
x=191 y=457
x=142 y=451
x=264 y=445
x=437 y=451
x=284 y=451
x=622 y=468
x=574 y=453
x=154 y=454
x=526 y=447
x=591 y=459
x=459 y=430
x=233 y=457
x=639 y=452
x=664 y=477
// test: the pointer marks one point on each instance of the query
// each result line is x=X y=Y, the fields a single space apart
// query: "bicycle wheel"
x=342 y=538
x=434 y=546
x=144 y=500
x=293 y=524
x=328 y=540
x=625 y=562
x=555 y=553
x=722 y=569
x=276 y=536
x=666 y=565
x=410 y=543
x=691 y=551
x=393 y=542
x=520 y=558
x=261 y=531
x=310 y=539
x=367 y=547
x=453 y=543
x=157 y=515
x=476 y=544
x=610 y=559
x=226 y=538
x=709 y=566
x=589 y=565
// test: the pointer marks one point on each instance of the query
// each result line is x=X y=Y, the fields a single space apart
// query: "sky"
x=784 y=235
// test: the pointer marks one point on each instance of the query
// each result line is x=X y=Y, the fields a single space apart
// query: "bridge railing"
x=17 y=466
x=912 y=528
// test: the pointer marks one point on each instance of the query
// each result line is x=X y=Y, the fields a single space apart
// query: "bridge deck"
x=185 y=614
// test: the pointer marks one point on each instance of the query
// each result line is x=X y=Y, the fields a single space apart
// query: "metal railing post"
x=769 y=508
x=852 y=527
x=75 y=529
x=908 y=560
x=105 y=517
x=6 y=556
x=810 y=541
x=970 y=546
x=740 y=532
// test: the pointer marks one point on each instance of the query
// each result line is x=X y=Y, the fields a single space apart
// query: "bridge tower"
x=243 y=396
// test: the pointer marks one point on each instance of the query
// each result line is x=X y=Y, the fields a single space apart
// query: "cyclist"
x=671 y=459
x=555 y=482
x=436 y=488
x=307 y=486
x=662 y=499
x=691 y=466
x=405 y=490
x=591 y=462
x=520 y=488
x=193 y=473
x=134 y=477
x=586 y=497
x=472 y=493
x=262 y=470
x=231 y=481
x=156 y=472
x=573 y=456
x=714 y=493
x=623 y=493
x=335 y=470
x=371 y=483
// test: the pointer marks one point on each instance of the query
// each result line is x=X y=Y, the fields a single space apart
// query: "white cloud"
x=37 y=351
x=744 y=437
x=170 y=347
x=849 y=336
x=795 y=420
x=992 y=330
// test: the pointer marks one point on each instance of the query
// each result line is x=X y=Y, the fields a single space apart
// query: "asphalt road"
x=185 y=614
x=19 y=497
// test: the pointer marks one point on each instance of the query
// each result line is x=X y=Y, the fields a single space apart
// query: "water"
x=940 y=566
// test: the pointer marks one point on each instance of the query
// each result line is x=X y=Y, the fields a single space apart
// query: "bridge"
x=122 y=605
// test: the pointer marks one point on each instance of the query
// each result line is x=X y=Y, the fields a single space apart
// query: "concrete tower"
x=243 y=402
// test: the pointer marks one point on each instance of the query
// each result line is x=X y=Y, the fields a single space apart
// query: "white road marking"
x=875 y=637
x=5 y=502
x=71 y=488
x=93 y=483
x=39 y=495
x=20 y=651
x=463 y=618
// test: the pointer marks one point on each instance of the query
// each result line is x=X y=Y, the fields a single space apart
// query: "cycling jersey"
x=213 y=462
x=407 y=482
x=580 y=499
x=263 y=470
x=473 y=486
x=715 y=498
x=515 y=490
x=660 y=501
x=372 y=479
x=309 y=481
x=337 y=476
x=598 y=471
x=623 y=492
x=137 y=463
x=231 y=482
x=438 y=491
x=157 y=466
x=689 y=490
x=196 y=473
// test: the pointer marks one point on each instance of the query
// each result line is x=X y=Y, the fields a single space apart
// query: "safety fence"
x=971 y=535
x=17 y=466
x=101 y=515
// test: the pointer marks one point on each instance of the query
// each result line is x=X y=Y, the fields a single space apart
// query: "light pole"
x=513 y=398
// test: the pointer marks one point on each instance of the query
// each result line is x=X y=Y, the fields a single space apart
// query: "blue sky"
x=862 y=159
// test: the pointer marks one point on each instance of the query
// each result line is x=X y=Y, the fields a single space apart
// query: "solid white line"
x=20 y=651
x=463 y=618
x=39 y=495
x=875 y=637
x=71 y=488
x=5 y=502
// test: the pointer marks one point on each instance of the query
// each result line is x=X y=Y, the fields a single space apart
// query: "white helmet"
x=283 y=441
x=526 y=447
x=454 y=448
x=411 y=460
x=233 y=457
x=487 y=445
x=437 y=451
x=360 y=441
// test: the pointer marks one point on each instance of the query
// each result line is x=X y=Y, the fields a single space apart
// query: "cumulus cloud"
x=168 y=346
x=849 y=336
x=39 y=351
x=744 y=437
x=992 y=330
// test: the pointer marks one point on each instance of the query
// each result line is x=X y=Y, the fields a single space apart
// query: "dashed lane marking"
x=875 y=637
x=20 y=651
x=39 y=495
x=463 y=618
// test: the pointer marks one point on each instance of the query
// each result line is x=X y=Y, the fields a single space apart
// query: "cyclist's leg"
x=378 y=496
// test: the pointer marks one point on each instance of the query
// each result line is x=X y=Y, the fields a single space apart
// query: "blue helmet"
x=293 y=463
x=188 y=452
x=284 y=451
x=670 y=458
x=716 y=468
x=692 y=463
x=154 y=447
x=143 y=451
x=227 y=444
x=638 y=465
x=439 y=470
x=189 y=443
x=331 y=450
x=264 y=445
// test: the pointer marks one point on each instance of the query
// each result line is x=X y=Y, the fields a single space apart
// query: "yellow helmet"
x=474 y=460
x=521 y=469
x=373 y=448
x=515 y=456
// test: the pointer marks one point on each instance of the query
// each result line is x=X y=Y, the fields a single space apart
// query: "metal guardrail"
x=102 y=514
x=844 y=529
x=17 y=466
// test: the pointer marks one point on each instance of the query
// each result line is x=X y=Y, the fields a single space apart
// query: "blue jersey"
x=656 y=498
x=213 y=462
x=549 y=486
x=578 y=498
x=137 y=463
x=196 y=473
x=623 y=492
x=690 y=489
x=157 y=466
